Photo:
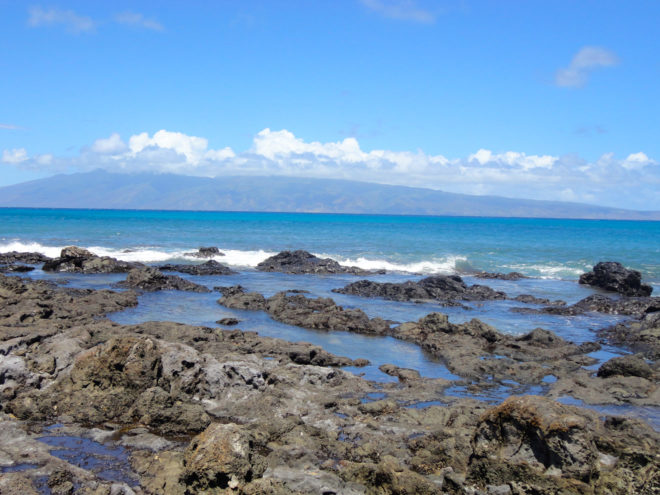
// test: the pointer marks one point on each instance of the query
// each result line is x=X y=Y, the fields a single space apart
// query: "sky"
x=533 y=99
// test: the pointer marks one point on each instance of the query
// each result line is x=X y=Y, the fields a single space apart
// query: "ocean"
x=552 y=252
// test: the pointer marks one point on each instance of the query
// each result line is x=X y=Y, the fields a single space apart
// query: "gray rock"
x=614 y=277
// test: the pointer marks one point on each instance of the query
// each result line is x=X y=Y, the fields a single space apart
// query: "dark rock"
x=211 y=267
x=77 y=260
x=403 y=374
x=150 y=279
x=625 y=366
x=15 y=268
x=13 y=257
x=500 y=276
x=205 y=252
x=444 y=288
x=528 y=299
x=630 y=306
x=236 y=298
x=614 y=277
x=304 y=262
x=641 y=336
x=229 y=322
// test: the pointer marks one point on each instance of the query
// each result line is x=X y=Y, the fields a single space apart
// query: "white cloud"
x=138 y=20
x=588 y=59
x=404 y=10
x=73 y=22
x=631 y=182
x=17 y=155
x=10 y=127
x=112 y=144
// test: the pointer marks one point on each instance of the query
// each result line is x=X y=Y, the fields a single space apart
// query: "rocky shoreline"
x=187 y=409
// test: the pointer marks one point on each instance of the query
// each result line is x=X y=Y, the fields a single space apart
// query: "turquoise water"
x=547 y=248
x=553 y=252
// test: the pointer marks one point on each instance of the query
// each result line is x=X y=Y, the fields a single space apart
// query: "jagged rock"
x=15 y=268
x=640 y=336
x=528 y=299
x=211 y=267
x=444 y=288
x=304 y=262
x=630 y=306
x=78 y=260
x=500 y=276
x=151 y=279
x=235 y=297
x=403 y=374
x=625 y=366
x=205 y=252
x=228 y=322
x=13 y=257
x=614 y=277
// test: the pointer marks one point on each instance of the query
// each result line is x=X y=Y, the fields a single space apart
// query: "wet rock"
x=211 y=267
x=500 y=276
x=205 y=252
x=14 y=257
x=228 y=322
x=640 y=336
x=625 y=366
x=304 y=262
x=403 y=374
x=528 y=299
x=614 y=277
x=151 y=279
x=78 y=260
x=444 y=288
x=15 y=268
x=236 y=298
x=632 y=306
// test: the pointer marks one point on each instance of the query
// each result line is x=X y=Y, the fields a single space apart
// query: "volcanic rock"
x=151 y=279
x=13 y=257
x=211 y=267
x=304 y=262
x=500 y=276
x=640 y=336
x=614 y=277
x=78 y=260
x=205 y=252
x=625 y=366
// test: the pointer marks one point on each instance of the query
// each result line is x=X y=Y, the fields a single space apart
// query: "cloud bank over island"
x=625 y=182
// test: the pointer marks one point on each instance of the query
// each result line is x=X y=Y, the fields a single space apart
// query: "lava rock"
x=15 y=257
x=150 y=279
x=304 y=262
x=205 y=252
x=500 y=276
x=625 y=366
x=78 y=260
x=614 y=277
x=211 y=267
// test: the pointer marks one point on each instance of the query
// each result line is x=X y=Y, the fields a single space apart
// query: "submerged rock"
x=78 y=260
x=211 y=267
x=444 y=288
x=640 y=336
x=614 y=277
x=500 y=276
x=304 y=262
x=151 y=279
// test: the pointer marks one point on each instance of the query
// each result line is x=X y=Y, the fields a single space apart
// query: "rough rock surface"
x=630 y=306
x=297 y=309
x=15 y=268
x=13 y=257
x=444 y=288
x=77 y=260
x=640 y=336
x=614 y=277
x=211 y=267
x=304 y=262
x=286 y=424
x=626 y=366
x=205 y=252
x=151 y=279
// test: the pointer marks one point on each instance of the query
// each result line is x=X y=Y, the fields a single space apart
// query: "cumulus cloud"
x=404 y=10
x=585 y=61
x=71 y=21
x=138 y=20
x=630 y=182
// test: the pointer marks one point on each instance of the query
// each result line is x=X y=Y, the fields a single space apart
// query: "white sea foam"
x=553 y=271
x=30 y=247
x=236 y=257
x=438 y=266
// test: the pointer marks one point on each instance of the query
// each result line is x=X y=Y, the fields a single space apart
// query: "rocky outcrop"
x=638 y=335
x=614 y=277
x=442 y=288
x=77 y=260
x=304 y=262
x=297 y=309
x=15 y=268
x=211 y=267
x=625 y=366
x=205 y=252
x=151 y=279
x=629 y=306
x=14 y=257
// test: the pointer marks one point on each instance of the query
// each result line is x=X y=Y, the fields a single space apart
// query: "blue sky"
x=549 y=100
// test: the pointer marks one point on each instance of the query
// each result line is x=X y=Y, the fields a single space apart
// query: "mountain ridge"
x=100 y=189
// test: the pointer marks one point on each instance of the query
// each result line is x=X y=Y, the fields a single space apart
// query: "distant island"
x=106 y=190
